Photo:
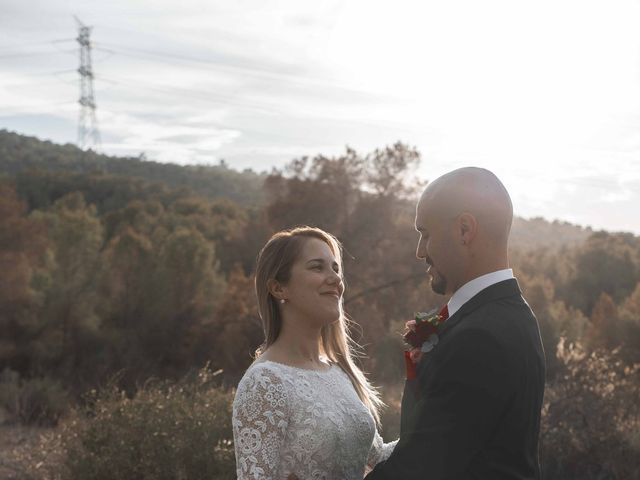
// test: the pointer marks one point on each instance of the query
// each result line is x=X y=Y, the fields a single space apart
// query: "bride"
x=303 y=408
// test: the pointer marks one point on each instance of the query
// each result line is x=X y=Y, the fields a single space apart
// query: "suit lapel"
x=506 y=288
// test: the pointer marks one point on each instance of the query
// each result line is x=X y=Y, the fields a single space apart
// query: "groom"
x=473 y=409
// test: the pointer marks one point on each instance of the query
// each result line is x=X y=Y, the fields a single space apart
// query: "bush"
x=35 y=401
x=591 y=417
x=180 y=431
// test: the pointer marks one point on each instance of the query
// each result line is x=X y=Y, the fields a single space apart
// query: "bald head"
x=475 y=191
x=464 y=219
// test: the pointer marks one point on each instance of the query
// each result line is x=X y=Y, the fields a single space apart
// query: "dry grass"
x=29 y=453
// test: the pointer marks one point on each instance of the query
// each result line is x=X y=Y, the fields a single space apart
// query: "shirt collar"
x=475 y=286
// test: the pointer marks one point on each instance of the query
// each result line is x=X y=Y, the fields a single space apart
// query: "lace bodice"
x=310 y=423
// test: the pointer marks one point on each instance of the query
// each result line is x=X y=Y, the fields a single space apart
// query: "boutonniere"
x=421 y=336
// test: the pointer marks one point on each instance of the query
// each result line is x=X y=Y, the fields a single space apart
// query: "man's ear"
x=275 y=289
x=467 y=227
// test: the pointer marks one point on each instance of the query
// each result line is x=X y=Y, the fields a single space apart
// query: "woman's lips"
x=332 y=294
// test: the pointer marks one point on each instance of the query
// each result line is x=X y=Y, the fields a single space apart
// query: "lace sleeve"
x=380 y=451
x=260 y=413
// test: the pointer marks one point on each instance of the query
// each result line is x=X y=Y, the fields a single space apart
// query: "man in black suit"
x=473 y=409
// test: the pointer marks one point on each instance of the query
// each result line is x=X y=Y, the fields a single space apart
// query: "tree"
x=69 y=309
x=631 y=306
x=602 y=333
x=630 y=327
x=235 y=331
x=539 y=293
x=590 y=417
x=23 y=244
x=607 y=263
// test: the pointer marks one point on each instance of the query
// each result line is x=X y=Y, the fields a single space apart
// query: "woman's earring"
x=282 y=301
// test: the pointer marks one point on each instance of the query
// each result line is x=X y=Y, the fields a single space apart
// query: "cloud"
x=163 y=140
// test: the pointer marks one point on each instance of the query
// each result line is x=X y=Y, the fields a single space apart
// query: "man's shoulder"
x=508 y=313
x=507 y=326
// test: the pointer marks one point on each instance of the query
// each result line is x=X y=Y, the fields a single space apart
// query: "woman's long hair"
x=274 y=263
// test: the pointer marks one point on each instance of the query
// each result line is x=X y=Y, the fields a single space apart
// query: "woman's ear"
x=276 y=289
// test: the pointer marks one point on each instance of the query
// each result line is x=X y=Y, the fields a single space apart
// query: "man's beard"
x=438 y=283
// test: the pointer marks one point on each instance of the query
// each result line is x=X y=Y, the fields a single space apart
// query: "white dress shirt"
x=475 y=286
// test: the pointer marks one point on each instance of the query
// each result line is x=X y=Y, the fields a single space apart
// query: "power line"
x=37 y=44
x=197 y=62
x=57 y=81
x=193 y=94
x=55 y=73
x=270 y=109
x=208 y=97
x=35 y=54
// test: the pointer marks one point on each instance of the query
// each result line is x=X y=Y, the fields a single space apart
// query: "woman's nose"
x=336 y=279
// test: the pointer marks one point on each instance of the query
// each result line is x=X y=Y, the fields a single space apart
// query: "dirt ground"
x=29 y=453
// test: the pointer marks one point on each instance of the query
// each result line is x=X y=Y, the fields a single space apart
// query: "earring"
x=283 y=301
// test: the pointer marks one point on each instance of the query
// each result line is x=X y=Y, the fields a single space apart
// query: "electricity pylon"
x=88 y=133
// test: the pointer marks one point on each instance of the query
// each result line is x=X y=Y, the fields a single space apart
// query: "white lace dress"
x=310 y=423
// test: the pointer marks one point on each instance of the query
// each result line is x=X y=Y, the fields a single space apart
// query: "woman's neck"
x=298 y=345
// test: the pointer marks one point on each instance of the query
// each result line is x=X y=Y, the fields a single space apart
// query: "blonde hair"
x=274 y=263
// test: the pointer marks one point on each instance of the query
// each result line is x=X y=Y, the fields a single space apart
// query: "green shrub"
x=34 y=401
x=180 y=431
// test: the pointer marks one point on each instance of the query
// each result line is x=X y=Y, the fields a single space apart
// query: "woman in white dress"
x=304 y=409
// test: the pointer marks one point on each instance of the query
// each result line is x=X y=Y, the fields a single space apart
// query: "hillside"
x=20 y=154
x=538 y=232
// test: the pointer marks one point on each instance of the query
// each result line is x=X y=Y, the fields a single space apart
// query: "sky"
x=545 y=94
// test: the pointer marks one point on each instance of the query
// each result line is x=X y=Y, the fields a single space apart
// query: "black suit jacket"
x=473 y=411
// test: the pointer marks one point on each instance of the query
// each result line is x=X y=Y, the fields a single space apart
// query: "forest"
x=128 y=312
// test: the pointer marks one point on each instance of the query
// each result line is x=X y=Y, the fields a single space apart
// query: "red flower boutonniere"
x=421 y=336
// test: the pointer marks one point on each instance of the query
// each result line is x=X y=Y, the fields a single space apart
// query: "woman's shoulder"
x=261 y=379
x=262 y=372
x=263 y=388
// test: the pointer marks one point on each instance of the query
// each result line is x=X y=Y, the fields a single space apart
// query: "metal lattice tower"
x=88 y=134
